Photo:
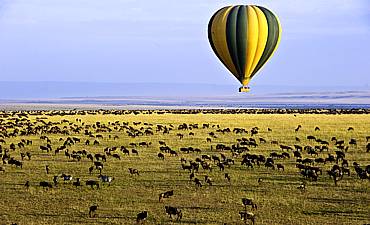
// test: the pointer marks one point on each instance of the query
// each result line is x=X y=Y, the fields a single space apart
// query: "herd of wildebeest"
x=219 y=158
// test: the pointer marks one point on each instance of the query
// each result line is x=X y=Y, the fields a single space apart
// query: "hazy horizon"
x=48 y=90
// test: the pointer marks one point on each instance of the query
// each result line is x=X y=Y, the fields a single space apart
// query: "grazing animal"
x=45 y=184
x=27 y=184
x=133 y=171
x=208 y=180
x=280 y=166
x=92 y=210
x=91 y=169
x=92 y=183
x=55 y=180
x=173 y=211
x=125 y=151
x=134 y=151
x=66 y=177
x=23 y=155
x=15 y=162
x=115 y=155
x=302 y=186
x=247 y=216
x=227 y=177
x=191 y=176
x=28 y=155
x=77 y=183
x=270 y=164
x=106 y=179
x=161 y=156
x=248 y=201
x=166 y=194
x=221 y=166
x=197 y=182
x=173 y=153
x=141 y=217
x=98 y=164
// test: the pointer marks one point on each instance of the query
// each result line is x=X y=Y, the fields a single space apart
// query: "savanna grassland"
x=277 y=195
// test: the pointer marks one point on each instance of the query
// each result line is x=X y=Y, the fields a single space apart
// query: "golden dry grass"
x=279 y=201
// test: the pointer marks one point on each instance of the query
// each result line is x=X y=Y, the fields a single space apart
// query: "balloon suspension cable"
x=244 y=89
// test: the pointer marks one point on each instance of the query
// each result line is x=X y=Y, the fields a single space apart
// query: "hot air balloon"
x=244 y=38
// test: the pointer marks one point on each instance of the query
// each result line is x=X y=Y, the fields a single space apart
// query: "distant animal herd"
x=308 y=163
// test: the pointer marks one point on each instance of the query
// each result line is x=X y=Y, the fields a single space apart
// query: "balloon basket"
x=244 y=89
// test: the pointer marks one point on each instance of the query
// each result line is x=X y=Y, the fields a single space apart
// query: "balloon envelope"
x=244 y=37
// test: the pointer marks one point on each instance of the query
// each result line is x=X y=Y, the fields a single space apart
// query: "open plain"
x=282 y=160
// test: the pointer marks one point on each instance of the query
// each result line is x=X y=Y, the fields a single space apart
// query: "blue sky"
x=324 y=42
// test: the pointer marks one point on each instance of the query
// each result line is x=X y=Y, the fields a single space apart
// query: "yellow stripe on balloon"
x=252 y=42
x=262 y=37
x=219 y=38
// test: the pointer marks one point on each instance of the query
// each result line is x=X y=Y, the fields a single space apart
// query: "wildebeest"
x=298 y=127
x=280 y=166
x=77 y=183
x=247 y=216
x=227 y=177
x=160 y=156
x=248 y=201
x=302 y=186
x=208 y=180
x=115 y=155
x=92 y=183
x=270 y=165
x=134 y=151
x=106 y=179
x=141 y=217
x=44 y=148
x=55 y=180
x=191 y=176
x=173 y=211
x=166 y=194
x=66 y=177
x=133 y=171
x=173 y=153
x=92 y=210
x=91 y=169
x=28 y=155
x=197 y=182
x=125 y=151
x=46 y=184
x=221 y=166
x=98 y=164
x=27 y=184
